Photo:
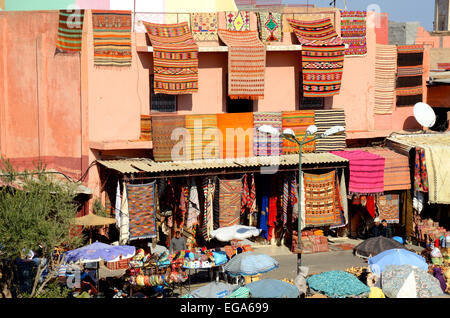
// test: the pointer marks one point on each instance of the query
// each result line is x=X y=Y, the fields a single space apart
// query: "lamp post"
x=290 y=135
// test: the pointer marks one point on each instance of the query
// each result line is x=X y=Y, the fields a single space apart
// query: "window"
x=161 y=102
x=239 y=105
x=310 y=102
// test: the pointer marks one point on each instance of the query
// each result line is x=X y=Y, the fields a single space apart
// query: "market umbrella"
x=337 y=284
x=249 y=264
x=99 y=251
x=214 y=290
x=375 y=245
x=272 y=288
x=91 y=220
x=396 y=256
x=406 y=281
x=235 y=232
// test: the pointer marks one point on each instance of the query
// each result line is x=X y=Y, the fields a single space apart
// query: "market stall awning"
x=139 y=165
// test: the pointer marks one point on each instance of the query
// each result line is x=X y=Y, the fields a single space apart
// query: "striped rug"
x=264 y=144
x=353 y=32
x=409 y=86
x=146 y=128
x=385 y=68
x=320 y=199
x=298 y=121
x=175 y=58
x=230 y=202
x=70 y=28
x=141 y=207
x=325 y=119
x=112 y=38
x=162 y=129
x=203 y=133
x=317 y=32
x=246 y=64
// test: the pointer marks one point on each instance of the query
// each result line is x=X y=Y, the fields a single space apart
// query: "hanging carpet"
x=230 y=193
x=70 y=28
x=324 y=120
x=298 y=121
x=202 y=130
x=238 y=20
x=264 y=144
x=353 y=32
x=409 y=86
x=141 y=206
x=389 y=207
x=162 y=129
x=204 y=26
x=270 y=27
x=385 y=69
x=237 y=133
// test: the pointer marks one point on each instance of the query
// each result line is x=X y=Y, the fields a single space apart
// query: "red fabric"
x=272 y=215
x=370 y=206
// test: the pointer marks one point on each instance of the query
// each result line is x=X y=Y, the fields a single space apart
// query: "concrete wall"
x=403 y=33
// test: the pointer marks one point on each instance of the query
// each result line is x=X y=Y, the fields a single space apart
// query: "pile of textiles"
x=385 y=70
x=409 y=86
x=428 y=230
x=312 y=243
x=199 y=258
x=158 y=280
x=175 y=58
x=322 y=57
x=337 y=284
x=353 y=32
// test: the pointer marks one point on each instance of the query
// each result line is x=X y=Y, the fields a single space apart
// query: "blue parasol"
x=249 y=264
x=99 y=251
x=396 y=257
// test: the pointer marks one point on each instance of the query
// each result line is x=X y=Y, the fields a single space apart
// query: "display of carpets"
x=146 y=128
x=366 y=171
x=353 y=32
x=270 y=27
x=263 y=143
x=112 y=38
x=204 y=26
x=324 y=120
x=409 y=86
x=162 y=129
x=238 y=20
x=298 y=121
x=237 y=134
x=70 y=28
x=230 y=193
x=385 y=69
x=141 y=208
x=388 y=207
x=246 y=64
x=320 y=195
x=175 y=58
x=204 y=142
x=317 y=32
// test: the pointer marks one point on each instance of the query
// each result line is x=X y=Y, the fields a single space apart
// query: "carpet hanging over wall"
x=162 y=129
x=322 y=57
x=204 y=26
x=298 y=121
x=70 y=28
x=112 y=38
x=409 y=87
x=230 y=193
x=203 y=133
x=264 y=144
x=389 y=207
x=175 y=58
x=246 y=64
x=353 y=32
x=238 y=20
x=237 y=134
x=270 y=27
x=385 y=68
x=141 y=206
x=324 y=120
x=320 y=195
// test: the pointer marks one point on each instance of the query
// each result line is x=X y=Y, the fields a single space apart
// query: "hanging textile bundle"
x=252 y=203
x=245 y=195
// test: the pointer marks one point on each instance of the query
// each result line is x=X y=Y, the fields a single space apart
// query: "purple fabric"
x=437 y=273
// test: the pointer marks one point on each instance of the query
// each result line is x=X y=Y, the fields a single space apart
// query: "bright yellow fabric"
x=376 y=292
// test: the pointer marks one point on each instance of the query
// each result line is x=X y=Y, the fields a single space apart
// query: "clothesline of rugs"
x=204 y=133
x=175 y=51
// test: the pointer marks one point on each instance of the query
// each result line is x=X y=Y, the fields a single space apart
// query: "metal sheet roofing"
x=138 y=165
x=422 y=139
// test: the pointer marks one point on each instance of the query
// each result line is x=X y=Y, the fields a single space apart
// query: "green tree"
x=39 y=217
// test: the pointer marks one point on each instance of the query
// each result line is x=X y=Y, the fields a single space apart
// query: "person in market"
x=178 y=243
x=385 y=229
x=376 y=228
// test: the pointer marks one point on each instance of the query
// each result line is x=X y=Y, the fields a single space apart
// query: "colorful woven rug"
x=385 y=69
x=238 y=21
x=420 y=171
x=175 y=58
x=162 y=129
x=112 y=38
x=204 y=26
x=141 y=206
x=298 y=121
x=320 y=199
x=246 y=64
x=146 y=128
x=70 y=30
x=409 y=87
x=238 y=141
x=396 y=169
x=264 y=144
x=353 y=32
x=230 y=202
x=324 y=120
x=366 y=171
x=388 y=207
x=203 y=135
x=270 y=27
x=317 y=32
x=138 y=25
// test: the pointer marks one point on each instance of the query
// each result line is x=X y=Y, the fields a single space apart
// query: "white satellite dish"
x=424 y=115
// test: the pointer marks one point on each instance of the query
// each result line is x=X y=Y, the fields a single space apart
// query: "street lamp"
x=290 y=135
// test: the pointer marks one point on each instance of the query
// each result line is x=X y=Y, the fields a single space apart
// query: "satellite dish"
x=424 y=115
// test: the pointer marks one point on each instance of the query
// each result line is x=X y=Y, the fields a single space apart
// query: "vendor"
x=177 y=243
x=376 y=228
x=385 y=230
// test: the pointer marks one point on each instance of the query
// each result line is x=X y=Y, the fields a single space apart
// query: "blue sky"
x=399 y=10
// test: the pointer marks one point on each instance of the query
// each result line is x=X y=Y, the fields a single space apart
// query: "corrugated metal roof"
x=136 y=165
x=422 y=139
